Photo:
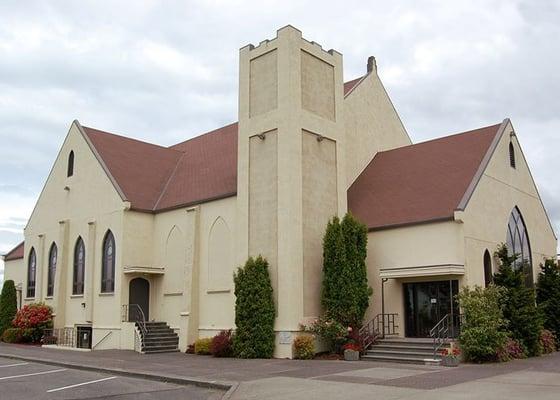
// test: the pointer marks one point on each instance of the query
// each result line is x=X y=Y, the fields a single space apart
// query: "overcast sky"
x=166 y=71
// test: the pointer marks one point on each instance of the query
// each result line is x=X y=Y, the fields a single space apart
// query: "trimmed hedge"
x=202 y=346
x=304 y=347
x=254 y=310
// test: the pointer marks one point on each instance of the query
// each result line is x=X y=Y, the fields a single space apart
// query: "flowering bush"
x=32 y=319
x=190 y=349
x=451 y=352
x=222 y=344
x=333 y=332
x=352 y=346
x=548 y=341
x=304 y=347
x=12 y=335
x=511 y=350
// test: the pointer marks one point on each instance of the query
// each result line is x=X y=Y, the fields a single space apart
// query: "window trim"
x=77 y=285
x=108 y=272
x=523 y=248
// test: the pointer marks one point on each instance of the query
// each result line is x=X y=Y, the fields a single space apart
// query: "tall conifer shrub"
x=8 y=305
x=519 y=303
x=254 y=310
x=548 y=295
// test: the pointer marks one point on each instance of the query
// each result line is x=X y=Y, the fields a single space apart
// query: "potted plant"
x=450 y=356
x=351 y=351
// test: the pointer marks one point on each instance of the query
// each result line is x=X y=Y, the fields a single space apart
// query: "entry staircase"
x=157 y=337
x=381 y=341
x=150 y=336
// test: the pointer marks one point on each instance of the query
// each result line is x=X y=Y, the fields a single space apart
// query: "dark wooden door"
x=139 y=293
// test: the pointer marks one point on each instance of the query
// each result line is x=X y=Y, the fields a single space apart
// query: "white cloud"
x=165 y=71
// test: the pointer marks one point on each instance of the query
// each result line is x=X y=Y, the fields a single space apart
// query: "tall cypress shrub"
x=345 y=291
x=358 y=290
x=8 y=305
x=254 y=310
x=548 y=295
x=519 y=303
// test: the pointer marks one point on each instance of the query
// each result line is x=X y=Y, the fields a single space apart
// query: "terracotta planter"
x=351 y=355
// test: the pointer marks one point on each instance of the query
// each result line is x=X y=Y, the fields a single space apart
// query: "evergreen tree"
x=8 y=305
x=254 y=310
x=335 y=275
x=548 y=295
x=358 y=291
x=345 y=291
x=519 y=303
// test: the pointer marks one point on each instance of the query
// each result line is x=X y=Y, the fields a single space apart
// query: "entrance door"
x=139 y=293
x=426 y=303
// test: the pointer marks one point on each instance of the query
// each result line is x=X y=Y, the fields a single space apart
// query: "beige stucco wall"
x=424 y=245
x=371 y=125
x=15 y=270
x=486 y=216
x=85 y=205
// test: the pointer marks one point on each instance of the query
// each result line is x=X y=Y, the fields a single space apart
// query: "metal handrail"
x=102 y=339
x=445 y=330
x=380 y=326
x=128 y=310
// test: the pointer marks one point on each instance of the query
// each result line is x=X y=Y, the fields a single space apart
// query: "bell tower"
x=291 y=176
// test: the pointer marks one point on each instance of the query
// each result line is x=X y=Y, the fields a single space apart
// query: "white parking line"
x=80 y=384
x=12 y=365
x=52 y=371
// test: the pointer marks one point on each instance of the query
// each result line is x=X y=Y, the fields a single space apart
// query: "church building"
x=125 y=230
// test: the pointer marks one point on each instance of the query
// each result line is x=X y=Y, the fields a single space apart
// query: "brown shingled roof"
x=15 y=254
x=420 y=182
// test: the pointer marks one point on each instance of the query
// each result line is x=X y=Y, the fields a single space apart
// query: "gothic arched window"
x=488 y=278
x=31 y=271
x=511 y=155
x=108 y=264
x=70 y=170
x=518 y=243
x=53 y=255
x=79 y=267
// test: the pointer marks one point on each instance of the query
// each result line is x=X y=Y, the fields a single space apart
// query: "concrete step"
x=160 y=351
x=377 y=352
x=403 y=359
x=170 y=341
x=151 y=349
x=402 y=347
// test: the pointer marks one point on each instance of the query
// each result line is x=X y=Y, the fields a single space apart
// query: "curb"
x=228 y=387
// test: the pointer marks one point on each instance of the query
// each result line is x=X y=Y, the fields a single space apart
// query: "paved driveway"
x=28 y=380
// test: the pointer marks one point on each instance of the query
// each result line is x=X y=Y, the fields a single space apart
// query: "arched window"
x=70 y=164
x=79 y=267
x=31 y=271
x=511 y=155
x=488 y=278
x=108 y=264
x=518 y=243
x=53 y=255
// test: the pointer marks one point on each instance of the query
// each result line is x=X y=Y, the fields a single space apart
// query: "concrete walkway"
x=537 y=378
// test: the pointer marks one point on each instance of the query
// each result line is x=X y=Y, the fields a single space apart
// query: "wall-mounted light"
x=67 y=188
x=261 y=136
x=320 y=138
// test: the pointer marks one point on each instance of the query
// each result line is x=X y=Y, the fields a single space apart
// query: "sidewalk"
x=292 y=379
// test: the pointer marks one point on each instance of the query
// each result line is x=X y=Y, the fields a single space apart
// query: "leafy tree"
x=345 y=291
x=8 y=305
x=483 y=333
x=254 y=310
x=548 y=295
x=519 y=303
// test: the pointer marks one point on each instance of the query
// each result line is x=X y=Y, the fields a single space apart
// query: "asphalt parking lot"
x=27 y=380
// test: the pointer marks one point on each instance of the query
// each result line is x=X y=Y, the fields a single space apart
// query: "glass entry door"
x=426 y=303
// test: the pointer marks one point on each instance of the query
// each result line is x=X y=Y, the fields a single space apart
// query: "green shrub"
x=202 y=346
x=12 y=335
x=222 y=344
x=8 y=305
x=482 y=333
x=511 y=350
x=304 y=347
x=548 y=295
x=519 y=303
x=254 y=310
x=345 y=291
x=331 y=331
x=32 y=320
